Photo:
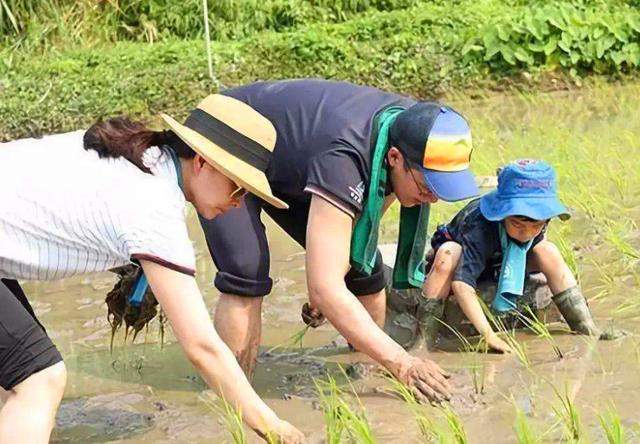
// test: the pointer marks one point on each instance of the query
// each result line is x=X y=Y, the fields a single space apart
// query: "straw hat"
x=235 y=139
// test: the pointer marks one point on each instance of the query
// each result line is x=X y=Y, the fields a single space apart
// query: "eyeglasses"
x=238 y=193
x=421 y=188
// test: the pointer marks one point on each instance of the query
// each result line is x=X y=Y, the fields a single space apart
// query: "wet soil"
x=141 y=393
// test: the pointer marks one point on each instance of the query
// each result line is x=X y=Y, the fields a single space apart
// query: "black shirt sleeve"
x=478 y=246
x=340 y=173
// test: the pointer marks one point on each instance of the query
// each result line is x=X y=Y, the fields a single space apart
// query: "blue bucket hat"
x=525 y=188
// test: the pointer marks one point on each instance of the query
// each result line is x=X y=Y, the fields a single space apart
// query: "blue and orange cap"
x=438 y=139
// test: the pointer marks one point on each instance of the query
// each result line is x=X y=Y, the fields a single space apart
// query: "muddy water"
x=143 y=394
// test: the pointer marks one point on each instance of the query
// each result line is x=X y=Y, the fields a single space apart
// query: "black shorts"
x=25 y=348
x=238 y=245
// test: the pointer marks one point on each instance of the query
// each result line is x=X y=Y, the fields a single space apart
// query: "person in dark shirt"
x=321 y=167
x=500 y=236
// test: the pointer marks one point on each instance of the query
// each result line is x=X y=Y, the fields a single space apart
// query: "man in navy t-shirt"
x=321 y=167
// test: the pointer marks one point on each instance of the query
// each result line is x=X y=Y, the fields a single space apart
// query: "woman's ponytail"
x=122 y=137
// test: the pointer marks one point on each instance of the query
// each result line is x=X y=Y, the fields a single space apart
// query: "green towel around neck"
x=408 y=270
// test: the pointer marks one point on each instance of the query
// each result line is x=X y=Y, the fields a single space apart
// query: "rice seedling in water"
x=231 y=417
x=615 y=237
x=523 y=429
x=477 y=367
x=518 y=349
x=340 y=416
x=455 y=425
x=612 y=426
x=594 y=350
x=429 y=430
x=293 y=340
x=568 y=415
x=540 y=329
x=567 y=251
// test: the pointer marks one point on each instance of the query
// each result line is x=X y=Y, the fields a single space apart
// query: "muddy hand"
x=285 y=433
x=312 y=316
x=497 y=345
x=426 y=379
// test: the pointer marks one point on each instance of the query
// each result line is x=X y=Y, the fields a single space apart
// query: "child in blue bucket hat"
x=502 y=233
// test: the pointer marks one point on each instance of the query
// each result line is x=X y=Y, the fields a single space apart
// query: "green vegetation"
x=523 y=429
x=340 y=418
x=46 y=21
x=56 y=75
x=63 y=64
x=568 y=415
x=612 y=426
x=477 y=364
x=231 y=417
x=531 y=321
x=295 y=340
x=429 y=430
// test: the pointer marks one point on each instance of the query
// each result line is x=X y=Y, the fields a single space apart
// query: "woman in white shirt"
x=85 y=202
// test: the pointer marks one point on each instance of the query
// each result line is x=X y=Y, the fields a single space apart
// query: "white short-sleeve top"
x=65 y=211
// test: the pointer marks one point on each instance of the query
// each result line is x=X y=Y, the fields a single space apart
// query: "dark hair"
x=406 y=163
x=529 y=219
x=123 y=137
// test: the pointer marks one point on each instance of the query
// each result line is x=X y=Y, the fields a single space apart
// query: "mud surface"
x=143 y=394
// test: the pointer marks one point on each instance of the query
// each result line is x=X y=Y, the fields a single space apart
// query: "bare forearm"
x=221 y=372
x=181 y=300
x=468 y=301
x=352 y=320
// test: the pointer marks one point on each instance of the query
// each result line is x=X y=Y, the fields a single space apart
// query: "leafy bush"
x=578 y=37
x=45 y=21
x=422 y=51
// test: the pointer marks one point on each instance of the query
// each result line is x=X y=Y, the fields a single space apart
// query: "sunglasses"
x=421 y=188
x=238 y=194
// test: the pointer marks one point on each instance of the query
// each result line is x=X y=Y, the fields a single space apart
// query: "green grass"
x=518 y=348
x=568 y=416
x=477 y=363
x=612 y=427
x=152 y=20
x=341 y=419
x=523 y=429
x=537 y=326
x=295 y=340
x=456 y=427
x=419 y=48
x=231 y=417
x=453 y=431
x=424 y=423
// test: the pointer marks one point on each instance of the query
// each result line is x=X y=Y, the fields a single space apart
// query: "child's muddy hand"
x=285 y=433
x=312 y=316
x=496 y=344
x=426 y=379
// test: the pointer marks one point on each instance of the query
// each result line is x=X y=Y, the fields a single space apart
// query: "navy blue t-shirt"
x=480 y=241
x=323 y=136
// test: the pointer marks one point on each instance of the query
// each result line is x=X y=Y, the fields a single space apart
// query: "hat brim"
x=451 y=186
x=243 y=174
x=496 y=208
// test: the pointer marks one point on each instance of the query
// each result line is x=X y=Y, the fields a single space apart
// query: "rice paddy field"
x=65 y=63
x=557 y=387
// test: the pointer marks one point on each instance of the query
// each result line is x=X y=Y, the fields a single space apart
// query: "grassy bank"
x=47 y=22
x=423 y=50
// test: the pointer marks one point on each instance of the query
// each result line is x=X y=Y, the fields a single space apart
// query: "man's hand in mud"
x=497 y=345
x=426 y=379
x=312 y=316
x=285 y=433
